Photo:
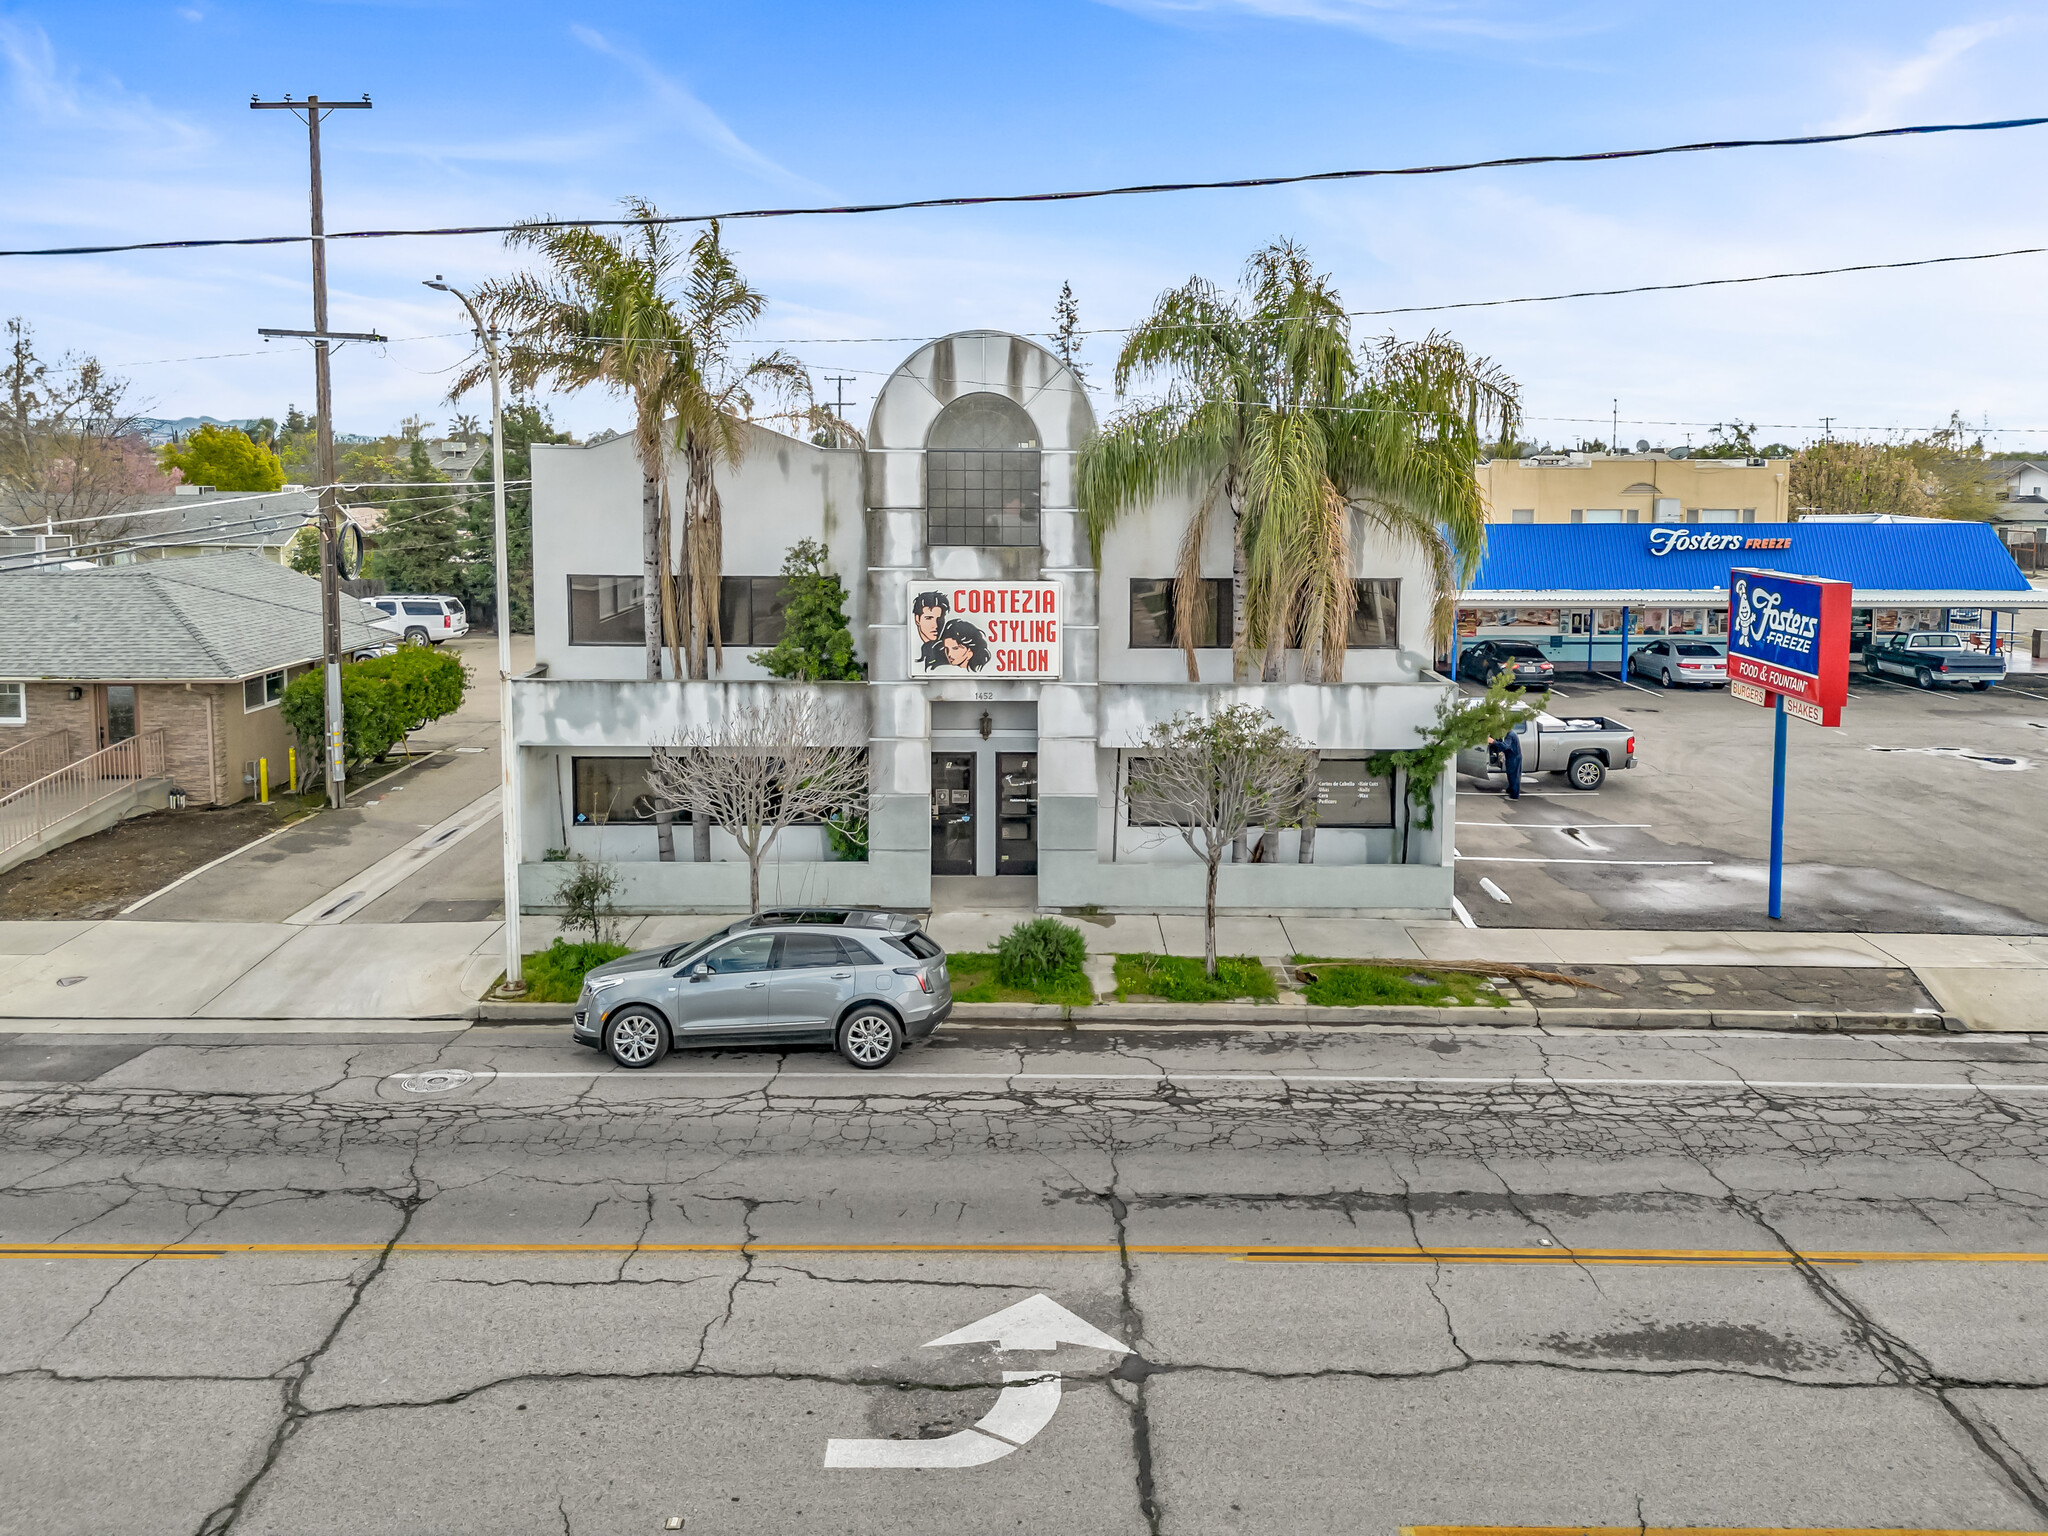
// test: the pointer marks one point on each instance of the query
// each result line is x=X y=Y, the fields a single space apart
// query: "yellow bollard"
x=292 y=767
x=263 y=780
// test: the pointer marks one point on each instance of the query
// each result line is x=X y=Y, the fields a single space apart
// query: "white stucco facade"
x=971 y=776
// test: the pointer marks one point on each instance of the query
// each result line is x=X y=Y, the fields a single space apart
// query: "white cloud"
x=699 y=120
x=1891 y=88
x=1396 y=20
x=55 y=98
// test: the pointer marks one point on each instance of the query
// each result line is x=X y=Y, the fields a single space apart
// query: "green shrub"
x=585 y=891
x=1179 y=979
x=555 y=974
x=383 y=700
x=848 y=835
x=1039 y=950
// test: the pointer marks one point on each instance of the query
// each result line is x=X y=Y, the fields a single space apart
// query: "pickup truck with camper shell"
x=1932 y=658
x=1582 y=748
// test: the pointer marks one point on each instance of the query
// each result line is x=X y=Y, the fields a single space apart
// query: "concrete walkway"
x=96 y=976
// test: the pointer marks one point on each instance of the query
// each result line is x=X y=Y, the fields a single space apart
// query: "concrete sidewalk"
x=57 y=974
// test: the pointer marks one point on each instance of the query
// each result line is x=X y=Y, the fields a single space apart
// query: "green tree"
x=383 y=700
x=1840 y=477
x=302 y=554
x=419 y=543
x=224 y=458
x=817 y=642
x=526 y=423
x=1461 y=722
x=1266 y=408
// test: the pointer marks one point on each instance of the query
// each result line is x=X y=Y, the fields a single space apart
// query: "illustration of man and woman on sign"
x=944 y=642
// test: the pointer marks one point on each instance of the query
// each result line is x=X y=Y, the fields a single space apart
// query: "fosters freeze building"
x=1010 y=679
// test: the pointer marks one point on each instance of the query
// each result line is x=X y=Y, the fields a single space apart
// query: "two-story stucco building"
x=1010 y=678
x=1654 y=486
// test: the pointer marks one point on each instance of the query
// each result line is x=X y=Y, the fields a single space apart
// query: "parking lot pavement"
x=1920 y=813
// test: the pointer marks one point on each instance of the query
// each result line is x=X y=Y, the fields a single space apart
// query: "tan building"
x=194 y=654
x=1634 y=488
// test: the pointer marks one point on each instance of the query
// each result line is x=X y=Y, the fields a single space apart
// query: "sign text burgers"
x=985 y=628
x=1789 y=635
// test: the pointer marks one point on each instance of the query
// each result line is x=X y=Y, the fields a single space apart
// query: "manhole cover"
x=440 y=1080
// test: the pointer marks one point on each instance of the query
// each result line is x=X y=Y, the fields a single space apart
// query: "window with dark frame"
x=981 y=473
x=1152 y=613
x=751 y=610
x=606 y=610
x=614 y=791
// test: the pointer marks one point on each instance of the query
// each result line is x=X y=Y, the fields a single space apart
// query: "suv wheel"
x=869 y=1038
x=417 y=636
x=635 y=1038
x=1585 y=772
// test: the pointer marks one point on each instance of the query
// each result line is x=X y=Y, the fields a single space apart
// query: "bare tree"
x=766 y=768
x=72 y=455
x=1211 y=779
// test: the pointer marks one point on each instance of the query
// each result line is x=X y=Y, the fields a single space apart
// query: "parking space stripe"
x=1694 y=1530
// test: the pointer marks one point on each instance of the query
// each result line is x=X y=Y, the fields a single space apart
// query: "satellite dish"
x=1681 y=453
x=1642 y=445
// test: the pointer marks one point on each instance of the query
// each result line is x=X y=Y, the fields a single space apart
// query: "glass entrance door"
x=1016 y=813
x=952 y=813
x=118 y=717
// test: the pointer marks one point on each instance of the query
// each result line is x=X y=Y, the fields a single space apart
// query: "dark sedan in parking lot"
x=1485 y=660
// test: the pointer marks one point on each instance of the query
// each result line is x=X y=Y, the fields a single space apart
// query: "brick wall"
x=184 y=717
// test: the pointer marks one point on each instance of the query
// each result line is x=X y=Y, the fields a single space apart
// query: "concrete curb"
x=1303 y=1016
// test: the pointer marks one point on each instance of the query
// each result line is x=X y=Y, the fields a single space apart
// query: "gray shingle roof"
x=211 y=618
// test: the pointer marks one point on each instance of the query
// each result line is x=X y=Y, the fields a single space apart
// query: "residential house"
x=198 y=650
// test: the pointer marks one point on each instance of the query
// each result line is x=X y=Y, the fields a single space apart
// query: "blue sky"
x=129 y=121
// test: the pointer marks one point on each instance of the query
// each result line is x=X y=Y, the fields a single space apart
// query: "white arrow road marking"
x=1037 y=1322
x=1026 y=1404
x=1020 y=1412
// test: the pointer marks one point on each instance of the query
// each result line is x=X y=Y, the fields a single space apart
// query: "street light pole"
x=508 y=752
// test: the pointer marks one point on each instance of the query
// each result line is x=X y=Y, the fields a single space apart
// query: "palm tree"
x=602 y=314
x=1268 y=409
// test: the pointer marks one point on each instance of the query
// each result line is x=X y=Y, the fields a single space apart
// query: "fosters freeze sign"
x=985 y=629
x=1790 y=635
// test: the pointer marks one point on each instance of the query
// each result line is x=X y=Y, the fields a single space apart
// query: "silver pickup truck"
x=1581 y=748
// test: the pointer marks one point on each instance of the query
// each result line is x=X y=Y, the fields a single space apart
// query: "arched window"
x=981 y=474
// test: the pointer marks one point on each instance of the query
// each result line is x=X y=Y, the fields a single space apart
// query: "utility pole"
x=1614 y=432
x=839 y=399
x=311 y=110
x=508 y=751
x=1826 y=428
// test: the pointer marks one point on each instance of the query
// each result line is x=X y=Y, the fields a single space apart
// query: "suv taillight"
x=916 y=974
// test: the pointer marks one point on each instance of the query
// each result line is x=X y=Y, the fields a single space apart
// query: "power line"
x=1509 y=162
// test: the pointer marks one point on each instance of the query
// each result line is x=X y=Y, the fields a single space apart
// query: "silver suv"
x=862 y=982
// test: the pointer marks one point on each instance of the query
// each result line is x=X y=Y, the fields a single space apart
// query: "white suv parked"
x=418 y=620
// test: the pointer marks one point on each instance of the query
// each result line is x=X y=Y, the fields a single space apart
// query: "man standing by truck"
x=1511 y=760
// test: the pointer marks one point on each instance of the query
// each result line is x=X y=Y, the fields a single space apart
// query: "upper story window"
x=1153 y=625
x=750 y=609
x=606 y=610
x=981 y=474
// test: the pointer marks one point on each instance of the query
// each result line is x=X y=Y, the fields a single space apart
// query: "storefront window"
x=610 y=790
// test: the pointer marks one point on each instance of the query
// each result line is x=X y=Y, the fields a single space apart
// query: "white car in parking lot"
x=1682 y=664
x=418 y=620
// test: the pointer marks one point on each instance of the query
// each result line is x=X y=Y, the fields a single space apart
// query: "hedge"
x=383 y=700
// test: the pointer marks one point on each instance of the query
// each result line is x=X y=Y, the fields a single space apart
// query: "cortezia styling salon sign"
x=985 y=629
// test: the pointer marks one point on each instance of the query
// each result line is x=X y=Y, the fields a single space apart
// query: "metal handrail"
x=26 y=761
x=33 y=809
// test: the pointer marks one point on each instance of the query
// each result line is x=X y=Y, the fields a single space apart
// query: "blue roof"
x=1874 y=557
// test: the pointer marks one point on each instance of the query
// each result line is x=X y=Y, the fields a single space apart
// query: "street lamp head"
x=435 y=282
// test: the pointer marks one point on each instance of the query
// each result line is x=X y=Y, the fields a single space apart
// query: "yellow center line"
x=1705 y=1258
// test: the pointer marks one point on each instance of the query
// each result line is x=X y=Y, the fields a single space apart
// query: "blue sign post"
x=1788 y=640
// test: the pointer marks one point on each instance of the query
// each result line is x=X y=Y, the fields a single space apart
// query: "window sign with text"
x=985 y=629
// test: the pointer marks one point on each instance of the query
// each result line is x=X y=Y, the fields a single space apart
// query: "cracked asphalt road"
x=1370 y=1280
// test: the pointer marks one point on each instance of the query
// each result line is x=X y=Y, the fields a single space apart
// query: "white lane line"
x=1464 y=917
x=1495 y=892
x=351 y=896
x=850 y=1077
x=1466 y=858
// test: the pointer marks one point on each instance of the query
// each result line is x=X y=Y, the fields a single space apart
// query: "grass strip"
x=974 y=981
x=1178 y=979
x=1381 y=986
